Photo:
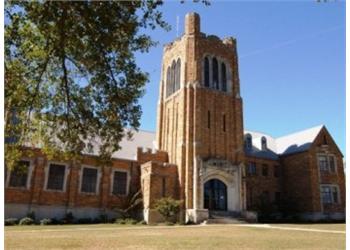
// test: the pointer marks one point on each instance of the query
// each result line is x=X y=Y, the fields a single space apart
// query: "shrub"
x=103 y=218
x=45 y=222
x=11 y=221
x=142 y=222
x=96 y=221
x=120 y=221
x=168 y=208
x=130 y=221
x=84 y=221
x=55 y=221
x=31 y=215
x=68 y=219
x=26 y=221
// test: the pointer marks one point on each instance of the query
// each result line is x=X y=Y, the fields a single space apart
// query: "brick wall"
x=257 y=184
x=72 y=197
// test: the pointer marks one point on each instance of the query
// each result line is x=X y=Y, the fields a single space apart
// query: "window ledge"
x=54 y=191
x=88 y=194
x=17 y=188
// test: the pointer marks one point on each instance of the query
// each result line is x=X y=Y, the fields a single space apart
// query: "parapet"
x=145 y=155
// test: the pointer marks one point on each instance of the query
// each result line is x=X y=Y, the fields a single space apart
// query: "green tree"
x=71 y=80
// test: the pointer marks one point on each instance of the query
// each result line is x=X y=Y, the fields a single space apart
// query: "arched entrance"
x=215 y=195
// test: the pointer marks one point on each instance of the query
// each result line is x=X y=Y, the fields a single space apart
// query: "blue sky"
x=291 y=62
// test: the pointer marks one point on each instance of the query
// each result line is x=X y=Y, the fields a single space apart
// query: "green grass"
x=111 y=236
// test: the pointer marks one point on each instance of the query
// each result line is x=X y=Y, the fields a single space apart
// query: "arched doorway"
x=215 y=195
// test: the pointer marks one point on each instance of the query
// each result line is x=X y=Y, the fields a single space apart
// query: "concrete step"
x=224 y=214
x=226 y=220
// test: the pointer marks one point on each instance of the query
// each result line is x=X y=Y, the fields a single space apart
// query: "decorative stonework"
x=217 y=165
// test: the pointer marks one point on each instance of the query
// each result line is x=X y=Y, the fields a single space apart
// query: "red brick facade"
x=200 y=138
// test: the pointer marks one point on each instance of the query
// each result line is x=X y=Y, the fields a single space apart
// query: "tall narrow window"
x=19 y=174
x=332 y=166
x=265 y=170
x=89 y=180
x=208 y=119
x=251 y=168
x=223 y=77
x=215 y=73
x=120 y=183
x=326 y=194
x=323 y=163
x=168 y=81
x=173 y=76
x=163 y=187
x=276 y=172
x=55 y=180
x=178 y=75
x=335 y=194
x=206 y=72
x=224 y=123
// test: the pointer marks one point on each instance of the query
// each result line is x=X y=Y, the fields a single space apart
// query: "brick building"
x=200 y=153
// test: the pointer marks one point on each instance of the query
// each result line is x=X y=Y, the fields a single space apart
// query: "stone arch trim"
x=220 y=61
x=220 y=176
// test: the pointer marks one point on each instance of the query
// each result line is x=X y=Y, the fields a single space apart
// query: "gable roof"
x=128 y=150
x=144 y=139
x=297 y=142
x=293 y=143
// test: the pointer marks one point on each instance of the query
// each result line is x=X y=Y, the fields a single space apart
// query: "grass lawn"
x=110 y=236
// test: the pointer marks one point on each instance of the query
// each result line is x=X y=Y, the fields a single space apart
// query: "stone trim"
x=29 y=175
x=66 y=173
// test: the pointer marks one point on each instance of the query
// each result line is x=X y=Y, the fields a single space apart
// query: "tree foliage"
x=71 y=79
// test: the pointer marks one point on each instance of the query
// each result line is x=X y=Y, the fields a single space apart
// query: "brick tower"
x=200 y=120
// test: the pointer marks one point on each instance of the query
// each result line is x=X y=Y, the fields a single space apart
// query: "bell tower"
x=200 y=121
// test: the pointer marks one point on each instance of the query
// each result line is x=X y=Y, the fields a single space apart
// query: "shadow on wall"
x=256 y=152
x=297 y=148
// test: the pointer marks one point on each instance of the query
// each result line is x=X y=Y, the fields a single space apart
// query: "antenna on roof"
x=177 y=25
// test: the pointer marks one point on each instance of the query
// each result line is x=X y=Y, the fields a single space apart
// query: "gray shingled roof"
x=292 y=143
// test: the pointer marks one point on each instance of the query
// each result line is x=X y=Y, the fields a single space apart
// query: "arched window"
x=263 y=143
x=178 y=75
x=215 y=74
x=248 y=141
x=206 y=72
x=223 y=77
x=173 y=75
x=168 y=81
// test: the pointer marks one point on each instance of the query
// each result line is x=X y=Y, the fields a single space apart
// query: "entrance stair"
x=225 y=217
